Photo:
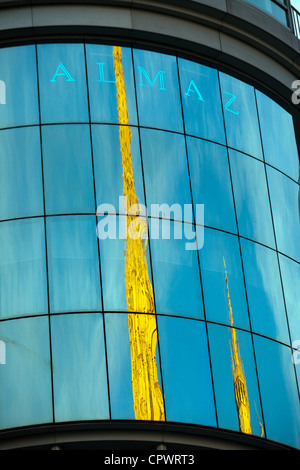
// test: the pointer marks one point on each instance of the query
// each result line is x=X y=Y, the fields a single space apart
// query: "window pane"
x=252 y=199
x=290 y=272
x=166 y=175
x=222 y=342
x=62 y=80
x=121 y=260
x=68 y=172
x=263 y=284
x=240 y=114
x=211 y=184
x=109 y=162
x=73 y=264
x=20 y=173
x=157 y=89
x=175 y=270
x=278 y=136
x=220 y=255
x=186 y=371
x=201 y=101
x=79 y=365
x=18 y=72
x=25 y=392
x=280 y=399
x=23 y=283
x=129 y=341
x=284 y=194
x=102 y=83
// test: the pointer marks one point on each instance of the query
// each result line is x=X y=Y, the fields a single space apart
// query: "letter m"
x=159 y=74
x=2 y=92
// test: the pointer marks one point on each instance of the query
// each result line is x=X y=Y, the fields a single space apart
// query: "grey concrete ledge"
x=130 y=434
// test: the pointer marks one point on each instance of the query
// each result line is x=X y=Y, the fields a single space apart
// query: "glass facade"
x=149 y=244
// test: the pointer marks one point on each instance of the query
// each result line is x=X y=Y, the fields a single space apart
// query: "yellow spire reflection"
x=147 y=395
x=239 y=379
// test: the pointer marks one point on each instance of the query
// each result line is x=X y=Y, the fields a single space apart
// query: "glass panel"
x=290 y=272
x=278 y=136
x=166 y=175
x=233 y=396
x=285 y=202
x=240 y=115
x=25 y=392
x=20 y=173
x=109 y=162
x=69 y=185
x=175 y=271
x=62 y=79
x=74 y=283
x=220 y=255
x=157 y=89
x=23 y=283
x=211 y=184
x=186 y=371
x=119 y=366
x=263 y=284
x=79 y=365
x=201 y=100
x=111 y=232
x=280 y=399
x=134 y=368
x=18 y=86
x=252 y=199
x=102 y=83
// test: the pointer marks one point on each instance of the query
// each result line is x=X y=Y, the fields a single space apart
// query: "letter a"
x=64 y=74
x=195 y=90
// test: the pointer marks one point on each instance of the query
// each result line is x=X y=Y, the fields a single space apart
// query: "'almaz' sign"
x=144 y=78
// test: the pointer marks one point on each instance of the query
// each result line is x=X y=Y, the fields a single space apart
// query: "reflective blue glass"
x=111 y=232
x=18 y=86
x=79 y=367
x=68 y=172
x=102 y=84
x=211 y=184
x=279 y=395
x=220 y=344
x=285 y=202
x=264 y=290
x=62 y=83
x=25 y=392
x=119 y=365
x=186 y=371
x=108 y=166
x=23 y=282
x=157 y=90
x=201 y=101
x=251 y=199
x=221 y=254
x=290 y=273
x=74 y=283
x=175 y=271
x=163 y=192
x=20 y=173
x=275 y=121
x=240 y=113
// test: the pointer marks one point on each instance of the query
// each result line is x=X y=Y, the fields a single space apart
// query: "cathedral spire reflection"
x=239 y=379
x=147 y=395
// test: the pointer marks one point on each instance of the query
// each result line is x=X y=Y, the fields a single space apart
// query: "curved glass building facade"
x=149 y=243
